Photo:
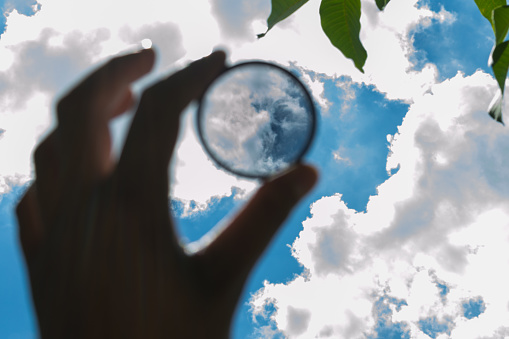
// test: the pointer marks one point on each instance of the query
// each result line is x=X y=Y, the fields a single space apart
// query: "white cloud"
x=442 y=218
x=236 y=18
x=43 y=54
x=50 y=50
x=165 y=35
x=196 y=179
x=337 y=155
x=387 y=37
x=348 y=96
x=22 y=5
x=20 y=133
x=316 y=85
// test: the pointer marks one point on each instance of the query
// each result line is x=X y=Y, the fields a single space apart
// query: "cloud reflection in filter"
x=256 y=119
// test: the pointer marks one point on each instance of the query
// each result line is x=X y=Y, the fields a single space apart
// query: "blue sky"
x=411 y=207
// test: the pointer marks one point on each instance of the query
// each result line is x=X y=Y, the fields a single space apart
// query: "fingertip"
x=149 y=57
x=218 y=56
x=244 y=240
x=124 y=69
x=212 y=63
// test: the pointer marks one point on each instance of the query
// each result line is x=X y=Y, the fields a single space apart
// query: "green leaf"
x=495 y=110
x=501 y=63
x=487 y=6
x=381 y=4
x=341 y=23
x=501 y=22
x=281 y=9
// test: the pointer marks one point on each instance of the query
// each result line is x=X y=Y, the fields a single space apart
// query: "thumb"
x=232 y=255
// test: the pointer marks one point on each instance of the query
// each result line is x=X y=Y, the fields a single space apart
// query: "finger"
x=48 y=181
x=154 y=130
x=29 y=223
x=125 y=104
x=232 y=255
x=84 y=113
x=33 y=211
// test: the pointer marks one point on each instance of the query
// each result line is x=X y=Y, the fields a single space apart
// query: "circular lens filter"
x=256 y=119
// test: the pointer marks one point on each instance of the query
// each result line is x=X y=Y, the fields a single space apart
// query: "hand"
x=102 y=255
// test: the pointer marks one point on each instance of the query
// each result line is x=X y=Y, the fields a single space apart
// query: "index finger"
x=84 y=113
x=233 y=253
x=142 y=171
x=151 y=139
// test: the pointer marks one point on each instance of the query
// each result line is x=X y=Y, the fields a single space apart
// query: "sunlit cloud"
x=417 y=242
x=427 y=253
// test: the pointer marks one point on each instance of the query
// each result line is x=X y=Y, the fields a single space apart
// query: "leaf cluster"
x=340 y=21
x=497 y=13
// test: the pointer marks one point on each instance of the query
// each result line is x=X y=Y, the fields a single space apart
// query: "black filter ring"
x=312 y=113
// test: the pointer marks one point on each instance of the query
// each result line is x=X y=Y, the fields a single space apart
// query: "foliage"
x=340 y=21
x=487 y=6
x=281 y=9
x=381 y=4
x=497 y=13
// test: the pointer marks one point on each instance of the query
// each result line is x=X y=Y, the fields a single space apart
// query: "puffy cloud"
x=190 y=184
x=48 y=51
x=437 y=222
x=26 y=7
x=40 y=66
x=236 y=18
x=166 y=36
x=20 y=133
x=387 y=37
x=315 y=83
x=43 y=54
x=425 y=238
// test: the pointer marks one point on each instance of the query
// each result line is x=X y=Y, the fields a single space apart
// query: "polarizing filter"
x=256 y=119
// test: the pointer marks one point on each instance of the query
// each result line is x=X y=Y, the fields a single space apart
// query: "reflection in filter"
x=256 y=119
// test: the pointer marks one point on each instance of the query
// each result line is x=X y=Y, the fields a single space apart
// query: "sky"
x=406 y=234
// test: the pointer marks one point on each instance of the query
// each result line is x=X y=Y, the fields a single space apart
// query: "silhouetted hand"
x=102 y=255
